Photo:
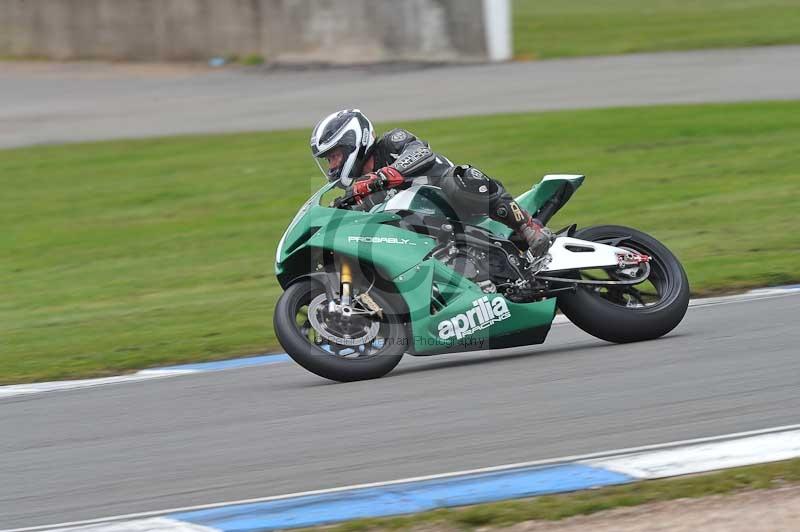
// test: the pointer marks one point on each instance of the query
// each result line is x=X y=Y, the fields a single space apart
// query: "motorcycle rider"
x=345 y=148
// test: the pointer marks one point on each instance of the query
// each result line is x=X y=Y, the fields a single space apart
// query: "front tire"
x=614 y=314
x=336 y=363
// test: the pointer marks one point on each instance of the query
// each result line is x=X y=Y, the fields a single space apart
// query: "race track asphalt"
x=54 y=103
x=277 y=429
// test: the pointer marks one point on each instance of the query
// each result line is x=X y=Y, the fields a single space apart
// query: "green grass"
x=129 y=254
x=556 y=507
x=555 y=28
x=252 y=60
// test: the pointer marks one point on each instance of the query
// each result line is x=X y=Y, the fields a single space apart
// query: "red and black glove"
x=385 y=178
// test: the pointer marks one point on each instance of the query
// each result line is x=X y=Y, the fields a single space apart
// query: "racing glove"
x=385 y=178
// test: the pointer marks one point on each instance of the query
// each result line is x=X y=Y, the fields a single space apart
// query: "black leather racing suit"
x=468 y=190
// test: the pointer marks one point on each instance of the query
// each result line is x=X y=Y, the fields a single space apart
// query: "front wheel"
x=629 y=313
x=352 y=347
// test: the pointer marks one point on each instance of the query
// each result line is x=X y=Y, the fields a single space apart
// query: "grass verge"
x=128 y=254
x=553 y=28
x=556 y=507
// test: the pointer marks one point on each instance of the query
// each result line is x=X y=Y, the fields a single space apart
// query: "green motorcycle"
x=361 y=289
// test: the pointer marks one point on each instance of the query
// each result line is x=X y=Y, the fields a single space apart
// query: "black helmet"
x=344 y=135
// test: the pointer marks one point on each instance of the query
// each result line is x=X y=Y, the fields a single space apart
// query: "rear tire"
x=611 y=321
x=325 y=363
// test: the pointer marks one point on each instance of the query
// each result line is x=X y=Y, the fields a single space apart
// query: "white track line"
x=15 y=390
x=552 y=461
x=155 y=524
x=56 y=386
x=704 y=457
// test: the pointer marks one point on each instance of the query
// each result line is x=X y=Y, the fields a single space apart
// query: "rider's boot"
x=537 y=236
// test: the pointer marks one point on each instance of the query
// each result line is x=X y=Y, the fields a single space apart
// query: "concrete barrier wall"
x=339 y=31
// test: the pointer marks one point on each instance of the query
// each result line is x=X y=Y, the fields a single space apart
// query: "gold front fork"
x=347 y=280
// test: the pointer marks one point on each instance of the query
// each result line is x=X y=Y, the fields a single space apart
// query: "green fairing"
x=400 y=255
x=350 y=233
x=416 y=287
x=399 y=250
x=338 y=230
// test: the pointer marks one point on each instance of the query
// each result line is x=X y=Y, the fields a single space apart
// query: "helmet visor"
x=338 y=160
x=333 y=161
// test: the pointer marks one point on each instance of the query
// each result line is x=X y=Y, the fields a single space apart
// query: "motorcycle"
x=408 y=276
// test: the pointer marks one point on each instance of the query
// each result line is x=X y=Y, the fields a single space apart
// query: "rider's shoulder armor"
x=396 y=140
x=392 y=144
x=410 y=155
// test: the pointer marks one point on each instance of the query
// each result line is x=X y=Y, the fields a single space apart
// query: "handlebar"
x=344 y=202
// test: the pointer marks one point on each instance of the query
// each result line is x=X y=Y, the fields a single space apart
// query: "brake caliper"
x=369 y=303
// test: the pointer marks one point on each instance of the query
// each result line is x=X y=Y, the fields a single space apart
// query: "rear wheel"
x=343 y=346
x=629 y=313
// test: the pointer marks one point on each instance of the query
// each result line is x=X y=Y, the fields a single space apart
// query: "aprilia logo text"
x=381 y=240
x=484 y=314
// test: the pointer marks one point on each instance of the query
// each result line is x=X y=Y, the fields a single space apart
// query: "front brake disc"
x=318 y=307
